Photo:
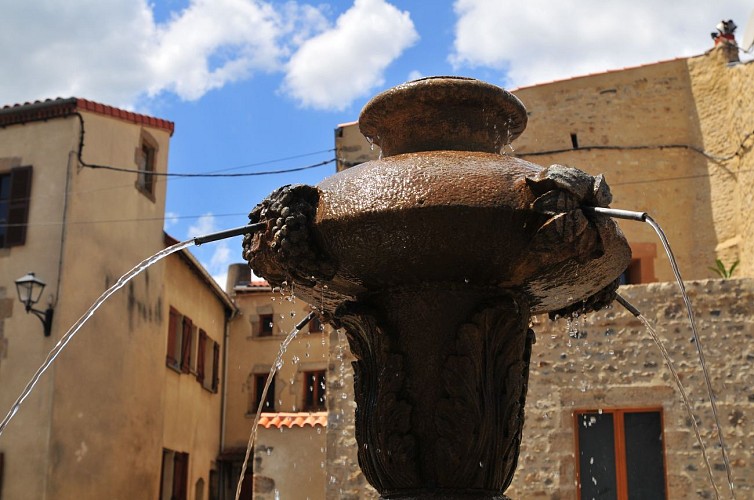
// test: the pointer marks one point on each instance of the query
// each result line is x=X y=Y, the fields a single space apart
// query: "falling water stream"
x=671 y=366
x=138 y=269
x=275 y=367
x=65 y=339
x=699 y=349
x=644 y=217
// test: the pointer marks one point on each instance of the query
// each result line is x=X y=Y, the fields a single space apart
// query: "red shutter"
x=215 y=366
x=172 y=334
x=18 y=209
x=200 y=356
x=180 y=476
x=186 y=345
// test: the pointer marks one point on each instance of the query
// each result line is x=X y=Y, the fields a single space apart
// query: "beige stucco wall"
x=290 y=463
x=191 y=414
x=104 y=420
x=25 y=442
x=100 y=417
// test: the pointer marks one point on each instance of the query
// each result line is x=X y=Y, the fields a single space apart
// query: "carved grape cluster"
x=287 y=248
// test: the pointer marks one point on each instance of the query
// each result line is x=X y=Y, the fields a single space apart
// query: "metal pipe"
x=617 y=213
x=629 y=307
x=229 y=233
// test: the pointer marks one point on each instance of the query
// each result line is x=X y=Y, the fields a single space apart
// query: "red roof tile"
x=280 y=420
x=61 y=108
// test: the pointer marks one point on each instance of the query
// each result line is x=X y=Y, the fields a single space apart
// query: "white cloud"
x=203 y=225
x=216 y=263
x=414 y=75
x=542 y=40
x=347 y=61
x=221 y=258
x=115 y=52
x=171 y=219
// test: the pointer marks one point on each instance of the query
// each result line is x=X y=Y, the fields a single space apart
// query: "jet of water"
x=65 y=339
x=141 y=266
x=671 y=366
x=699 y=349
x=644 y=217
x=275 y=367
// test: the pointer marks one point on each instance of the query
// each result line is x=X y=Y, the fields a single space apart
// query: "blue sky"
x=251 y=82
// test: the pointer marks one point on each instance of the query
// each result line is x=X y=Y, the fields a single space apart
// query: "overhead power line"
x=246 y=174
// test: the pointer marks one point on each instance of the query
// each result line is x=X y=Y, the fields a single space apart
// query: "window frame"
x=619 y=437
x=18 y=206
x=145 y=158
x=176 y=483
x=311 y=398
x=258 y=381
x=266 y=328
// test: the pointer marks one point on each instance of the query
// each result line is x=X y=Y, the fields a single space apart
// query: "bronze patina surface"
x=433 y=258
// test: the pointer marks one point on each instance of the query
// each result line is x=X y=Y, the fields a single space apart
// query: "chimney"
x=725 y=39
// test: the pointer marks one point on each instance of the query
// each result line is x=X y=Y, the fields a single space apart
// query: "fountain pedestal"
x=433 y=258
x=440 y=383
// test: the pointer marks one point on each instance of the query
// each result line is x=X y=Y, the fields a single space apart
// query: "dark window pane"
x=597 y=456
x=5 y=187
x=260 y=380
x=644 y=456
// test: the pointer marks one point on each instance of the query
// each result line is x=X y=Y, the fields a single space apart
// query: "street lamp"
x=29 y=290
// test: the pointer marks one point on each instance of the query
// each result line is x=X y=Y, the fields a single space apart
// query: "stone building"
x=673 y=139
x=134 y=406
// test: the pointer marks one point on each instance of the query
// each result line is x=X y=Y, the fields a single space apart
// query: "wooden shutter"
x=172 y=337
x=215 y=366
x=180 y=476
x=200 y=354
x=186 y=345
x=18 y=208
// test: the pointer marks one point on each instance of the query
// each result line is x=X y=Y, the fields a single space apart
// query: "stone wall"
x=613 y=364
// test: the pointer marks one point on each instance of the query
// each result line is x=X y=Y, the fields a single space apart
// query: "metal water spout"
x=433 y=259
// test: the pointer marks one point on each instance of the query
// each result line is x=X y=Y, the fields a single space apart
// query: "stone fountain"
x=433 y=259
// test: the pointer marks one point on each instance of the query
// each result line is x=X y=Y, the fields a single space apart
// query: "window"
x=265 y=325
x=258 y=381
x=146 y=155
x=191 y=350
x=15 y=192
x=641 y=269
x=208 y=362
x=314 y=390
x=180 y=329
x=620 y=455
x=174 y=483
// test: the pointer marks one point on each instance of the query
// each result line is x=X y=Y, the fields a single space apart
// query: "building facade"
x=289 y=455
x=118 y=412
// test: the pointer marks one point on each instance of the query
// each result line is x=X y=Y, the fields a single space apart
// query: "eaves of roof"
x=63 y=107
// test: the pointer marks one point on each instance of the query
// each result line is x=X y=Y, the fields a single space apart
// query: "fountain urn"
x=433 y=259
